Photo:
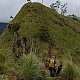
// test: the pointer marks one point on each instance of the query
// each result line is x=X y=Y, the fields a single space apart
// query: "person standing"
x=52 y=66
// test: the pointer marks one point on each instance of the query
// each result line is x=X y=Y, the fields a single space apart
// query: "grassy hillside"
x=39 y=24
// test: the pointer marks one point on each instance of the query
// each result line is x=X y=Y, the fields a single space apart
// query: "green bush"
x=68 y=73
x=29 y=68
x=45 y=55
x=77 y=73
x=6 y=60
x=4 y=77
x=15 y=27
x=43 y=33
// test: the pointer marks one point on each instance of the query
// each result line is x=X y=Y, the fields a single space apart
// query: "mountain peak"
x=37 y=24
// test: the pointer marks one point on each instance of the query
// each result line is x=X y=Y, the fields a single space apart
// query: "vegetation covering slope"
x=38 y=24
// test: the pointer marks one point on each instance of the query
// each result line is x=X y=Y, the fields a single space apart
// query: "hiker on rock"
x=52 y=66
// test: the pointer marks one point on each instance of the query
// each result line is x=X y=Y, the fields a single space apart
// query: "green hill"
x=36 y=24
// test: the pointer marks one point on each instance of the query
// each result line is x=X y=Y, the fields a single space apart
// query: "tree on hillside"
x=58 y=3
x=52 y=6
x=64 y=8
x=73 y=16
x=55 y=6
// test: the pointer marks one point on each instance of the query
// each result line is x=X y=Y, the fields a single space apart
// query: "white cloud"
x=8 y=8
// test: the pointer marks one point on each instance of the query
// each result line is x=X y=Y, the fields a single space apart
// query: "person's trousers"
x=52 y=71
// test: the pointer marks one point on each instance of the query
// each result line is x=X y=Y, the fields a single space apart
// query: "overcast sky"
x=11 y=7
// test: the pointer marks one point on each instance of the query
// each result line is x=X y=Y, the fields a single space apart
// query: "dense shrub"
x=29 y=68
x=68 y=72
x=6 y=60
x=43 y=33
x=15 y=27
x=4 y=77
x=77 y=73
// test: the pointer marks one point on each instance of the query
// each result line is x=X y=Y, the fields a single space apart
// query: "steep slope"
x=39 y=24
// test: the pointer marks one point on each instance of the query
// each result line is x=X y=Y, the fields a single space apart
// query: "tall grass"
x=70 y=72
x=27 y=67
x=4 y=77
